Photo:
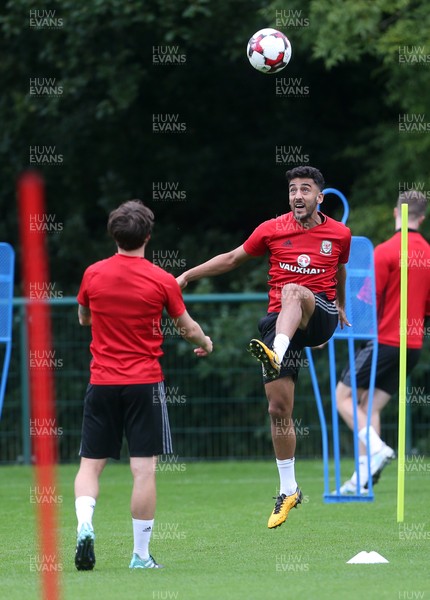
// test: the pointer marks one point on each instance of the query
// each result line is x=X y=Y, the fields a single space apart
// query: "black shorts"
x=138 y=410
x=387 y=367
x=320 y=328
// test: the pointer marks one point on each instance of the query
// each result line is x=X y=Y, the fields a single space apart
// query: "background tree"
x=346 y=53
x=396 y=34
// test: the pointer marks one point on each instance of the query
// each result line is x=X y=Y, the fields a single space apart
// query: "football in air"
x=269 y=51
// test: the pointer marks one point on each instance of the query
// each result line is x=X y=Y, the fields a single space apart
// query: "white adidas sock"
x=280 y=345
x=287 y=477
x=142 y=531
x=84 y=506
x=376 y=444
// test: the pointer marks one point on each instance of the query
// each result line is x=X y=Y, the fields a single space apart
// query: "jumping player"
x=307 y=256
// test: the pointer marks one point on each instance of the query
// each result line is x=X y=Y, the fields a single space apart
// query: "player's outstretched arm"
x=222 y=263
x=191 y=331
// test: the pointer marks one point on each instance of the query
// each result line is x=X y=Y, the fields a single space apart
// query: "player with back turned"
x=307 y=256
x=122 y=298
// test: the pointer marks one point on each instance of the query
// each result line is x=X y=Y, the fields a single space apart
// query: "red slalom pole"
x=35 y=272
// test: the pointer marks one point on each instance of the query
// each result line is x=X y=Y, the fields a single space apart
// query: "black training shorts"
x=138 y=410
x=387 y=367
x=320 y=328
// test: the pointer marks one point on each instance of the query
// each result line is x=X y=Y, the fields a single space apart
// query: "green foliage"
x=101 y=56
x=391 y=39
x=345 y=52
x=397 y=35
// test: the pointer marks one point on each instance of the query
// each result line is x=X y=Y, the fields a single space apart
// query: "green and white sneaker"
x=379 y=461
x=144 y=563
x=84 y=557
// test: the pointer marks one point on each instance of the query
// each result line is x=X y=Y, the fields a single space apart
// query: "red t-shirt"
x=126 y=296
x=308 y=257
x=387 y=274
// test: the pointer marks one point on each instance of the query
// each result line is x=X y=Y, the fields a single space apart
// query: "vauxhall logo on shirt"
x=304 y=260
x=303 y=266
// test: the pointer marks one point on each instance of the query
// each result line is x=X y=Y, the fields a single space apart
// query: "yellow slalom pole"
x=402 y=367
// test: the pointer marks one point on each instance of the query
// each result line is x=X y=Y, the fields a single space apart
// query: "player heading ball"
x=307 y=254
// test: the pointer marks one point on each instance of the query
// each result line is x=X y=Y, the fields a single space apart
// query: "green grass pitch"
x=211 y=534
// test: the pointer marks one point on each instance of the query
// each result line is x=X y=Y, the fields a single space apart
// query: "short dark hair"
x=130 y=224
x=416 y=201
x=306 y=173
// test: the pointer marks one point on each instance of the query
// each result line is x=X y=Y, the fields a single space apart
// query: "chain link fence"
x=217 y=405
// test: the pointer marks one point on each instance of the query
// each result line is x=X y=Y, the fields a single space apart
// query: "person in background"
x=387 y=274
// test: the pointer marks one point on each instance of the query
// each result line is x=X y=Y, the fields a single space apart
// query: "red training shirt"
x=126 y=296
x=306 y=256
x=387 y=274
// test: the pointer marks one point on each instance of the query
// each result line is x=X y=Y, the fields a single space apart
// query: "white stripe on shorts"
x=167 y=438
x=326 y=305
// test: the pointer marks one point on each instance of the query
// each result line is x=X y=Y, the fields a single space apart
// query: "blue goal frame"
x=365 y=331
x=7 y=270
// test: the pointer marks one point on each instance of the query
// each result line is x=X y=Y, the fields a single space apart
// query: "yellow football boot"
x=283 y=506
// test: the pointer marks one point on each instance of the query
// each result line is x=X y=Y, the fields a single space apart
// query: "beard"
x=307 y=216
